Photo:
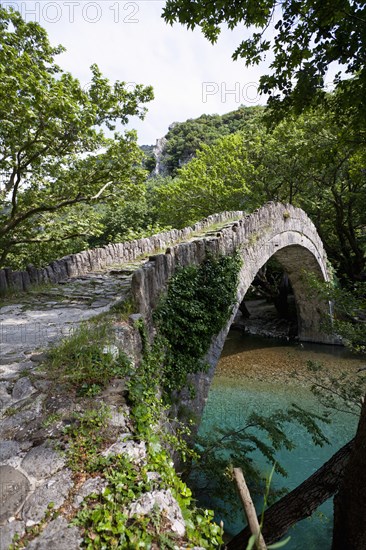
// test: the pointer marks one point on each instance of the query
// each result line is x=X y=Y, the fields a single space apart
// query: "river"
x=255 y=374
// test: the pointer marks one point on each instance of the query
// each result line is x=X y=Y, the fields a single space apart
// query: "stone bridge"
x=80 y=286
x=275 y=230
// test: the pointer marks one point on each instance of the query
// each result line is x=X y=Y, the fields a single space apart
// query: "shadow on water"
x=254 y=374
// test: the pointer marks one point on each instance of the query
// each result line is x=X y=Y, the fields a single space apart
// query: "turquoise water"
x=254 y=375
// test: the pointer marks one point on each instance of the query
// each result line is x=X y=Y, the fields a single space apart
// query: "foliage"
x=185 y=138
x=306 y=38
x=348 y=318
x=313 y=162
x=84 y=437
x=56 y=160
x=149 y=161
x=85 y=361
x=342 y=393
x=217 y=179
x=309 y=161
x=105 y=518
x=195 y=308
x=124 y=222
x=221 y=448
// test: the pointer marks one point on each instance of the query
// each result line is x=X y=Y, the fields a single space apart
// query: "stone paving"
x=32 y=469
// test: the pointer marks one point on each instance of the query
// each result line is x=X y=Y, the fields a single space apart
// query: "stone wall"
x=98 y=259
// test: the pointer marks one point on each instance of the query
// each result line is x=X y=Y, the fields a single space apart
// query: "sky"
x=130 y=42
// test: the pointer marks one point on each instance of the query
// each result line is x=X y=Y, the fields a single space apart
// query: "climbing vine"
x=195 y=308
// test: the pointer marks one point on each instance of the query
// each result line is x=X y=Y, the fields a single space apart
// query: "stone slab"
x=58 y=535
x=54 y=490
x=92 y=485
x=8 y=448
x=8 y=531
x=22 y=389
x=42 y=461
x=14 y=489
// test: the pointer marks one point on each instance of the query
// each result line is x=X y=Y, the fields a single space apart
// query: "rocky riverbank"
x=264 y=320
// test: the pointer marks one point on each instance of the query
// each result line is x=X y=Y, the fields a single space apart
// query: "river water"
x=255 y=374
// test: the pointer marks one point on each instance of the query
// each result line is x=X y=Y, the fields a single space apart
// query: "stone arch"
x=283 y=232
x=297 y=255
x=276 y=230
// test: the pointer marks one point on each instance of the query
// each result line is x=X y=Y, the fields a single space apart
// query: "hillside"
x=179 y=145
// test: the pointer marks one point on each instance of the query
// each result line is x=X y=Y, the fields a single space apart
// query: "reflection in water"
x=255 y=374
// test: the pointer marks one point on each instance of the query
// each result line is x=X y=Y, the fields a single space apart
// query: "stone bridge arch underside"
x=298 y=254
x=275 y=230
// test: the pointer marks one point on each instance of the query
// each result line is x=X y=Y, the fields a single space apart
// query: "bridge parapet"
x=99 y=259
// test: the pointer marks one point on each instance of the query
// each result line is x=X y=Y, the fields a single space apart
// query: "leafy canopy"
x=56 y=159
x=185 y=138
x=309 y=161
x=306 y=38
x=214 y=181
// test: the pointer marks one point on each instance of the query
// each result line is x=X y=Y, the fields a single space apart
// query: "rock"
x=165 y=503
x=8 y=449
x=135 y=317
x=8 y=531
x=21 y=425
x=58 y=535
x=115 y=392
x=54 y=490
x=11 y=357
x=22 y=389
x=10 y=371
x=91 y=485
x=42 y=385
x=5 y=397
x=135 y=451
x=42 y=461
x=60 y=404
x=38 y=357
x=14 y=490
x=118 y=418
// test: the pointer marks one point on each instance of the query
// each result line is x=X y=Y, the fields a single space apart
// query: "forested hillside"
x=185 y=138
x=315 y=161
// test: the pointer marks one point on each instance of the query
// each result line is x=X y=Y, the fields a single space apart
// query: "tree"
x=301 y=502
x=306 y=160
x=185 y=138
x=349 y=503
x=56 y=160
x=308 y=37
x=311 y=162
x=215 y=180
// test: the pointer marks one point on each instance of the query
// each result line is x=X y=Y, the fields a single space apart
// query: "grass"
x=86 y=361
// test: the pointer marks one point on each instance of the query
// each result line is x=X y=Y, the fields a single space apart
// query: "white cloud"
x=131 y=42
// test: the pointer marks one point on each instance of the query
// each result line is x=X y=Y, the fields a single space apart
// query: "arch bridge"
x=273 y=231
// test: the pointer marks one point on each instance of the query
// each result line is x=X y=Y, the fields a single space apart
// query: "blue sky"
x=131 y=42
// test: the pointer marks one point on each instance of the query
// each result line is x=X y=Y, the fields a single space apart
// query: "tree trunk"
x=301 y=502
x=350 y=502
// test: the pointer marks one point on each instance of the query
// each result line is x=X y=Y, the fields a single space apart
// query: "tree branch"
x=13 y=223
x=301 y=502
